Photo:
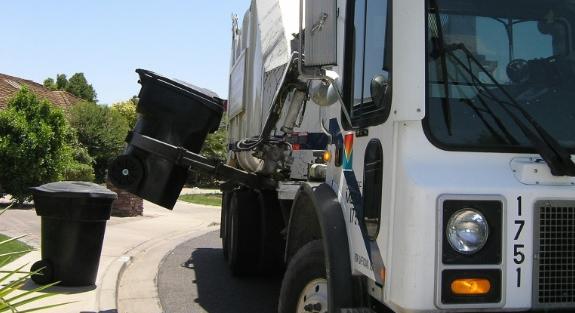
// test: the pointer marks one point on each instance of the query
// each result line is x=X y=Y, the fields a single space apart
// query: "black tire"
x=244 y=233
x=224 y=225
x=306 y=265
x=272 y=242
x=45 y=273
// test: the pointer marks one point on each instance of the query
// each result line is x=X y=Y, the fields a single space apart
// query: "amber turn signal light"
x=470 y=286
x=327 y=156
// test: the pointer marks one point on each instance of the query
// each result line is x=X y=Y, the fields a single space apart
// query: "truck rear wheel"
x=243 y=233
x=224 y=229
x=272 y=242
x=304 y=287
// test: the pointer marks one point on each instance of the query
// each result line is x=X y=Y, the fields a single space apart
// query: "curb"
x=137 y=289
x=107 y=293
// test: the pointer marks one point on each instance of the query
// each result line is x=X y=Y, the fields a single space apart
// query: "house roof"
x=10 y=85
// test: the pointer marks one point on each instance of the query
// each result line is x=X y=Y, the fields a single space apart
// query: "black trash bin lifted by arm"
x=173 y=122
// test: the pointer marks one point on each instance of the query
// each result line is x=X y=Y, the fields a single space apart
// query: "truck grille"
x=554 y=265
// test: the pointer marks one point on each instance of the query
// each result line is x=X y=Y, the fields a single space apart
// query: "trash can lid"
x=197 y=92
x=75 y=189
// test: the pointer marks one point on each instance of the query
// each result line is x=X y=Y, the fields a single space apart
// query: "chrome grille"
x=554 y=266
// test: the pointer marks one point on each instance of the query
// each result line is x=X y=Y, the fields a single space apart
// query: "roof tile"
x=10 y=85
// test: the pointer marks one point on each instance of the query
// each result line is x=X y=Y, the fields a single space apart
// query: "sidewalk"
x=132 y=252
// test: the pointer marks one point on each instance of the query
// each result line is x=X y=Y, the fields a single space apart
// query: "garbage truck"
x=404 y=156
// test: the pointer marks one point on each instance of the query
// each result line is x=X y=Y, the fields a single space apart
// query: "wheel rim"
x=313 y=298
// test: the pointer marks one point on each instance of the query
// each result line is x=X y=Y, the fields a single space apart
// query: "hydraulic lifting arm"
x=196 y=162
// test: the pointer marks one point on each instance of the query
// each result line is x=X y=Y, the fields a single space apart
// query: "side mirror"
x=323 y=93
x=380 y=89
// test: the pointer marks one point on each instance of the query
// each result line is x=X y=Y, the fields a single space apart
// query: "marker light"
x=327 y=156
x=470 y=286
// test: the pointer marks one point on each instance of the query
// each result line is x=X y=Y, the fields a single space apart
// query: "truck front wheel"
x=304 y=287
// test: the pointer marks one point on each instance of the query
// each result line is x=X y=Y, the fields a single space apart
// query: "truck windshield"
x=484 y=54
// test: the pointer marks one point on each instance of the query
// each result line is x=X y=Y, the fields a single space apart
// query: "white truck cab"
x=457 y=181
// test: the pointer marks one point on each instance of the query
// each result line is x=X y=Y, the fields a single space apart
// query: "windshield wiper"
x=556 y=156
x=439 y=44
x=506 y=137
x=439 y=52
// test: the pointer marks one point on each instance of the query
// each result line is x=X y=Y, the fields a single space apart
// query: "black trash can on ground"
x=74 y=216
x=173 y=112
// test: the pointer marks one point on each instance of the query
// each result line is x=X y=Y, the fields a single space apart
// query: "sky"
x=108 y=40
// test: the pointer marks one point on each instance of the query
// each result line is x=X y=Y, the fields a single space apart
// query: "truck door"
x=367 y=97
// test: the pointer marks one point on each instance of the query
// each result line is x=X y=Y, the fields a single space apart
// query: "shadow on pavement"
x=30 y=285
x=250 y=294
x=202 y=282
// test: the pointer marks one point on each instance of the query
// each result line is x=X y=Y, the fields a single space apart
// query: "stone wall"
x=127 y=204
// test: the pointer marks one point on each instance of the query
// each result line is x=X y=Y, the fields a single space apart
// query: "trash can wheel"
x=126 y=172
x=45 y=274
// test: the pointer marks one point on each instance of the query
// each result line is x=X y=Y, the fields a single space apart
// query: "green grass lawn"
x=206 y=199
x=11 y=246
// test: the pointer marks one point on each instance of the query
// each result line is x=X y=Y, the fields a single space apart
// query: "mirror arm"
x=317 y=74
x=339 y=99
x=325 y=129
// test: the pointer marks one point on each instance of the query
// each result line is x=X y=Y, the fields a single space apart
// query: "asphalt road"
x=194 y=278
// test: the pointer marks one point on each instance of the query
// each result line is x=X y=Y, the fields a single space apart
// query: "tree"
x=214 y=147
x=76 y=85
x=81 y=167
x=128 y=110
x=61 y=82
x=102 y=131
x=33 y=144
x=50 y=84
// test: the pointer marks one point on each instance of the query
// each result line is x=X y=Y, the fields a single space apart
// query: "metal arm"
x=195 y=162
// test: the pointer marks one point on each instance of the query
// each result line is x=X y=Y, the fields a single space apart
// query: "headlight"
x=467 y=231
